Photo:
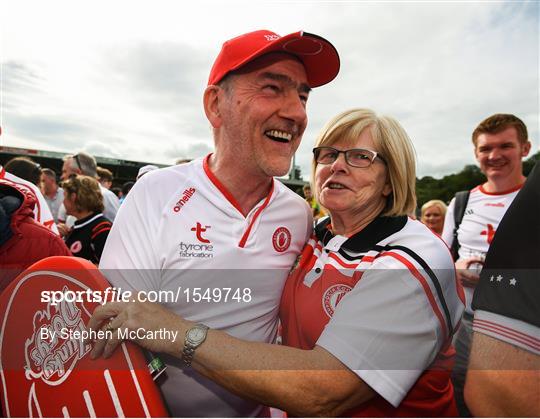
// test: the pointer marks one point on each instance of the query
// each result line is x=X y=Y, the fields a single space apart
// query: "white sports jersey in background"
x=180 y=230
x=42 y=213
x=482 y=215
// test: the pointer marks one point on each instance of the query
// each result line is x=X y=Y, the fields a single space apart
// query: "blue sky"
x=125 y=79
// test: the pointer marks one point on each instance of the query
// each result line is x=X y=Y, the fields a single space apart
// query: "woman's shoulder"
x=418 y=242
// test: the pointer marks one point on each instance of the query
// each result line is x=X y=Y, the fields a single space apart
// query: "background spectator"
x=117 y=191
x=432 y=215
x=42 y=213
x=316 y=209
x=105 y=177
x=85 y=164
x=25 y=168
x=23 y=241
x=83 y=200
x=500 y=142
x=54 y=195
x=126 y=187
x=145 y=169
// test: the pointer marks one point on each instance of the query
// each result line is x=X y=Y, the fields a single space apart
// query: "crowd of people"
x=375 y=312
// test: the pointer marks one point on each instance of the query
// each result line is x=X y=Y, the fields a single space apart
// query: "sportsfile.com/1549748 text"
x=188 y=295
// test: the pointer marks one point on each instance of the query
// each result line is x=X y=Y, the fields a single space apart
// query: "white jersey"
x=482 y=215
x=180 y=230
x=42 y=213
x=110 y=202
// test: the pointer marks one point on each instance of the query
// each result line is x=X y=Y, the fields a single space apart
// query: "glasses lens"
x=359 y=158
x=325 y=155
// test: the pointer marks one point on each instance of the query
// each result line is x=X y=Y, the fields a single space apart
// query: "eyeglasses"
x=355 y=157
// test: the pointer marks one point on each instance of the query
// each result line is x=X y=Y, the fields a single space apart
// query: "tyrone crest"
x=332 y=297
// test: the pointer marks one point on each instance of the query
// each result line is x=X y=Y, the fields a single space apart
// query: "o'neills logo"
x=333 y=296
x=53 y=350
x=188 y=193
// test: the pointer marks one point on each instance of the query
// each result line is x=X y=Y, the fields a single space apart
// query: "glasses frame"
x=76 y=157
x=317 y=150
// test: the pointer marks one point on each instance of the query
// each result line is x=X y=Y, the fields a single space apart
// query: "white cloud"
x=126 y=78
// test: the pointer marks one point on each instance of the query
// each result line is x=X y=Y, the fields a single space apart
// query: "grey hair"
x=226 y=83
x=88 y=165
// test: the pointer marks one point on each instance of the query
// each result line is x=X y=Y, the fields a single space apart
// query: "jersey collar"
x=225 y=191
x=364 y=240
x=514 y=189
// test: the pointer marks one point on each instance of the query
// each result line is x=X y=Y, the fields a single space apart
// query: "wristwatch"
x=193 y=339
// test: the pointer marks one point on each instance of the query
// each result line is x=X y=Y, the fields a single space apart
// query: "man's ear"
x=211 y=98
x=525 y=149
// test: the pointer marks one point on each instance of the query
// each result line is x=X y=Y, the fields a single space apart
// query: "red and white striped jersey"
x=42 y=213
x=180 y=231
x=386 y=303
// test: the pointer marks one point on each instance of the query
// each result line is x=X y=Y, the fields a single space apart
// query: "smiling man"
x=500 y=143
x=220 y=232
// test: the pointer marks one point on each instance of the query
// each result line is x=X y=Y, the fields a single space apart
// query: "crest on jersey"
x=332 y=297
x=76 y=247
x=281 y=239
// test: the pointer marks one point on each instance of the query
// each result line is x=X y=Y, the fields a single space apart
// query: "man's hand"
x=467 y=276
x=136 y=316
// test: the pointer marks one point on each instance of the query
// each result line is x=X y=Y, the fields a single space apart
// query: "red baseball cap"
x=320 y=57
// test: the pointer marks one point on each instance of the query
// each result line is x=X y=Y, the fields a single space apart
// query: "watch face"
x=197 y=334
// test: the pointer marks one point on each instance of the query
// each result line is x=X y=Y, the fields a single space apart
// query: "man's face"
x=105 y=183
x=67 y=171
x=263 y=115
x=499 y=155
x=47 y=184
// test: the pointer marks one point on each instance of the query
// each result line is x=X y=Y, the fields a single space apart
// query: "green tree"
x=428 y=187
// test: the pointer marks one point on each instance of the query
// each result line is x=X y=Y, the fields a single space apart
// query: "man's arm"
x=502 y=380
x=303 y=382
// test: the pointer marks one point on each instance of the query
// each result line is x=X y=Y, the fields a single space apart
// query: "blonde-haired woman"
x=369 y=311
x=432 y=215
x=84 y=201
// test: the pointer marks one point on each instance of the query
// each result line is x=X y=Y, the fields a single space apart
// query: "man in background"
x=316 y=209
x=54 y=195
x=32 y=174
x=84 y=164
x=105 y=177
x=500 y=143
